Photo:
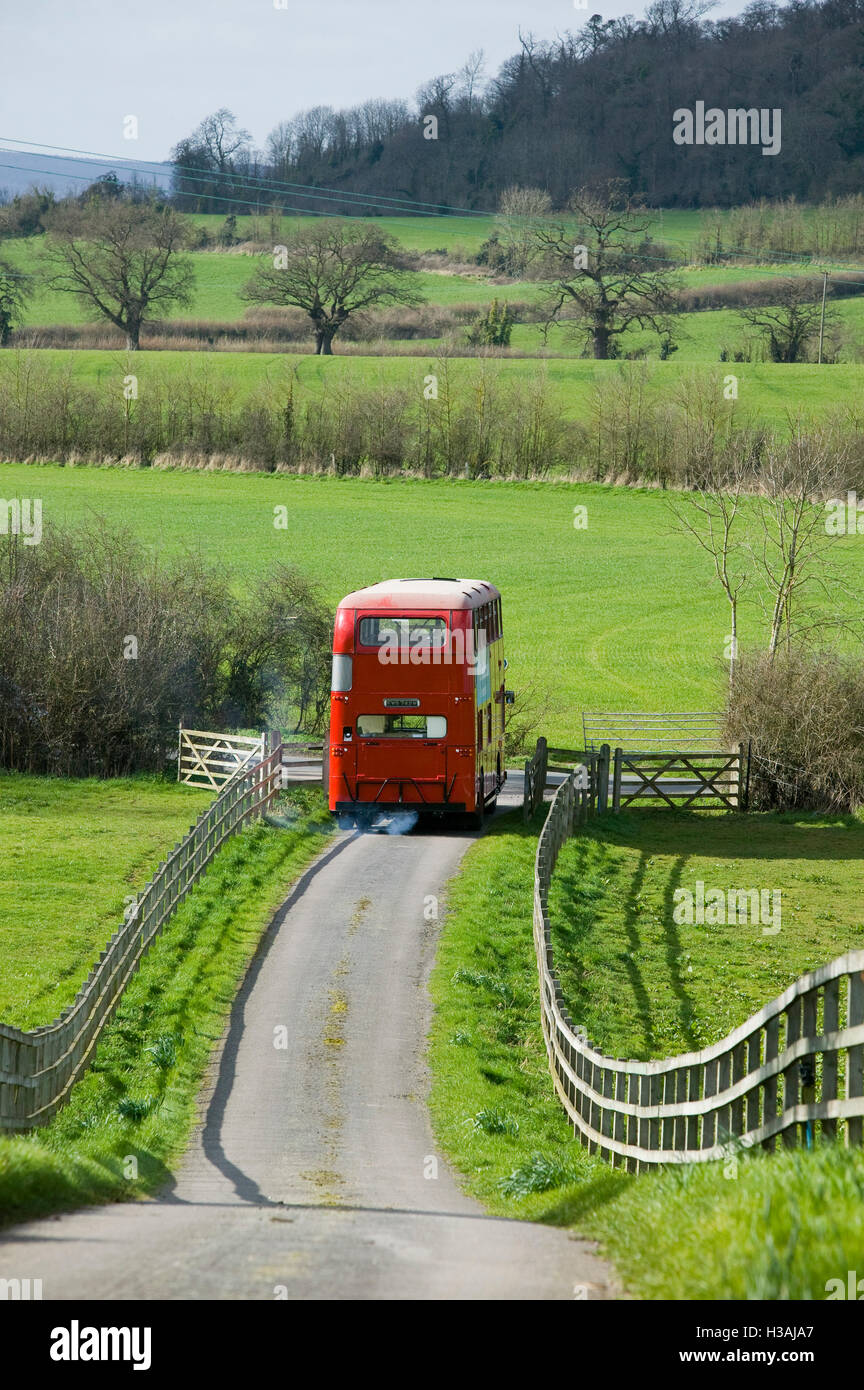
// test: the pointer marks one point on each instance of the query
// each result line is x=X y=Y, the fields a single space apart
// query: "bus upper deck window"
x=342 y=672
x=397 y=630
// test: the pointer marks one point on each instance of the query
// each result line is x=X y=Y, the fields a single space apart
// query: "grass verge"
x=767 y=1226
x=492 y=1102
x=763 y=1226
x=131 y=1114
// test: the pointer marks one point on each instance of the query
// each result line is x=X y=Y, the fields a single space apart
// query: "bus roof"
x=422 y=593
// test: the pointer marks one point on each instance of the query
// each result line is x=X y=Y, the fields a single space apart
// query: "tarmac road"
x=314 y=1172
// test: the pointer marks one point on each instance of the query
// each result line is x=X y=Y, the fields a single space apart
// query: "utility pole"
x=822 y=320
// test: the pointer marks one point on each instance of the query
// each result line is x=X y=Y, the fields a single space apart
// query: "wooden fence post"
x=616 y=782
x=855 y=1056
x=603 y=778
x=741 y=796
x=791 y=1074
x=830 y=1024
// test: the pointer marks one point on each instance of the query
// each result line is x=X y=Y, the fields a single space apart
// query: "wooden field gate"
x=210 y=760
x=675 y=759
x=695 y=780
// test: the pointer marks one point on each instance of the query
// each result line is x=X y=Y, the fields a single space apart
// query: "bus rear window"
x=392 y=630
x=401 y=726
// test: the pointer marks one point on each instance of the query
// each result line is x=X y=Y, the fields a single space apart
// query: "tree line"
x=591 y=105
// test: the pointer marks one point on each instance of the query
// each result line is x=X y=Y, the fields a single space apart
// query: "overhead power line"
x=402 y=206
x=242 y=202
x=257 y=181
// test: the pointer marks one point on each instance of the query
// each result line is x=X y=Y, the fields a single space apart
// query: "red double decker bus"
x=418 y=699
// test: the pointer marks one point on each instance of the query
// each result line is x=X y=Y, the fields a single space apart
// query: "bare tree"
x=520 y=214
x=436 y=97
x=313 y=132
x=597 y=268
x=712 y=515
x=220 y=137
x=15 y=290
x=775 y=542
x=792 y=546
x=281 y=146
x=122 y=260
x=789 y=325
x=331 y=270
x=676 y=17
x=471 y=74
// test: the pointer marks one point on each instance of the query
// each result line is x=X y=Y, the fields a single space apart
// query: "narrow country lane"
x=308 y=1177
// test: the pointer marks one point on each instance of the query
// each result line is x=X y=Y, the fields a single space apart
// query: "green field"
x=434 y=232
x=762 y=1226
x=677 y=227
x=70 y=854
x=426 y=233
x=568 y=594
x=622 y=615
x=706 y=341
x=221 y=275
x=644 y=986
x=766 y=393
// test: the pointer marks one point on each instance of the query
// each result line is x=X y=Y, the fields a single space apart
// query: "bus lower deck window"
x=401 y=726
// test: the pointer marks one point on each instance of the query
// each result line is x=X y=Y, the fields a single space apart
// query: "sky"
x=74 y=71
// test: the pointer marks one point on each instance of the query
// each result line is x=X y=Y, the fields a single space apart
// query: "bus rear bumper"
x=365 y=809
x=405 y=793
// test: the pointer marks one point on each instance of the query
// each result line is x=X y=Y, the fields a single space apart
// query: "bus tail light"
x=464 y=752
x=338 y=751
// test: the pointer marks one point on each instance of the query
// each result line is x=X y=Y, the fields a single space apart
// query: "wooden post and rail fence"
x=39 y=1068
x=794 y=1071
